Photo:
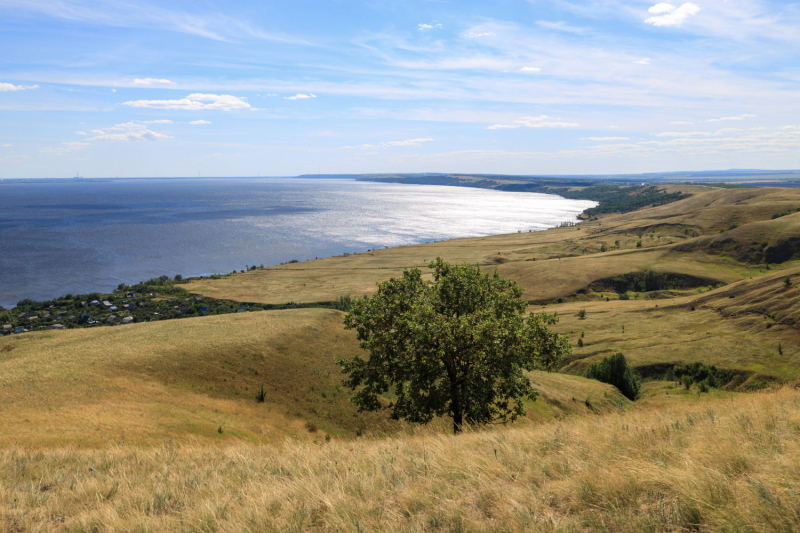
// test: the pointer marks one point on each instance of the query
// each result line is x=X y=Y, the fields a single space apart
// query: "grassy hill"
x=561 y=262
x=722 y=465
x=183 y=380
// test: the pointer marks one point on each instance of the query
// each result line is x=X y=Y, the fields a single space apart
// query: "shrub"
x=615 y=371
x=787 y=280
x=582 y=314
x=670 y=375
x=343 y=303
x=261 y=395
x=624 y=296
x=638 y=244
x=602 y=247
x=687 y=382
x=703 y=386
x=580 y=343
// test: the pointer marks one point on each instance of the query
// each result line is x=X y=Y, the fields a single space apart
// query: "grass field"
x=721 y=465
x=183 y=380
x=679 y=238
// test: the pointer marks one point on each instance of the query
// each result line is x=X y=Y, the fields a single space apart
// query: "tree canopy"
x=458 y=346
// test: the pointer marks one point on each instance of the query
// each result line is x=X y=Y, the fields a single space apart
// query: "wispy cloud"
x=423 y=27
x=678 y=122
x=390 y=144
x=542 y=121
x=199 y=122
x=5 y=87
x=643 y=61
x=120 y=13
x=194 y=102
x=609 y=138
x=160 y=121
x=740 y=117
x=560 y=26
x=683 y=134
x=80 y=133
x=473 y=35
x=150 y=82
x=669 y=15
x=65 y=148
x=130 y=131
x=530 y=69
x=300 y=96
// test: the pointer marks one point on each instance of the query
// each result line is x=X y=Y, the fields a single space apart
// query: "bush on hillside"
x=615 y=371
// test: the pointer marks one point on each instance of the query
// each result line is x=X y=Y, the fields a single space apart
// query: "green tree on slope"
x=457 y=346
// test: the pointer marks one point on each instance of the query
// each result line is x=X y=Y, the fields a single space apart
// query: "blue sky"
x=240 y=88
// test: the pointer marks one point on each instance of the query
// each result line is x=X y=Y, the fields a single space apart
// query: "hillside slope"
x=679 y=238
x=185 y=379
x=726 y=465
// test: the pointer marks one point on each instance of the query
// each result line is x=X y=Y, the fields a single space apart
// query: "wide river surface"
x=85 y=236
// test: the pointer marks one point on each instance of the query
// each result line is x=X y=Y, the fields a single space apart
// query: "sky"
x=247 y=88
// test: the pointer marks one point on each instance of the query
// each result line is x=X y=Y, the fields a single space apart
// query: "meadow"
x=724 y=465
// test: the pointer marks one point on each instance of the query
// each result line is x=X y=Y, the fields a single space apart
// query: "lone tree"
x=456 y=346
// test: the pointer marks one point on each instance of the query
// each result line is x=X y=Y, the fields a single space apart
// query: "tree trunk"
x=458 y=415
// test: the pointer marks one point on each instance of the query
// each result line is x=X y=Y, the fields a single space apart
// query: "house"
x=84 y=304
x=95 y=302
x=106 y=303
x=56 y=326
x=85 y=318
x=72 y=318
x=198 y=299
x=127 y=320
x=19 y=329
x=8 y=328
x=22 y=315
x=113 y=308
x=131 y=307
x=46 y=316
x=130 y=295
x=125 y=306
x=111 y=320
x=33 y=318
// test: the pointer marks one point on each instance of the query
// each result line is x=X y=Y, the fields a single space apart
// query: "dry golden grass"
x=182 y=380
x=737 y=327
x=728 y=465
x=548 y=264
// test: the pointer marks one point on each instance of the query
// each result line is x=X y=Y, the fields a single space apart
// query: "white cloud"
x=6 y=145
x=131 y=131
x=740 y=117
x=5 y=87
x=472 y=35
x=559 y=26
x=423 y=27
x=149 y=82
x=669 y=15
x=389 y=144
x=609 y=138
x=758 y=129
x=299 y=96
x=643 y=61
x=198 y=122
x=726 y=130
x=544 y=121
x=80 y=133
x=679 y=122
x=162 y=121
x=682 y=134
x=194 y=102
x=65 y=149
x=661 y=8
x=530 y=69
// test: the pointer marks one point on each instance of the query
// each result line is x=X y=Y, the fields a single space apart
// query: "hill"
x=184 y=380
x=724 y=465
